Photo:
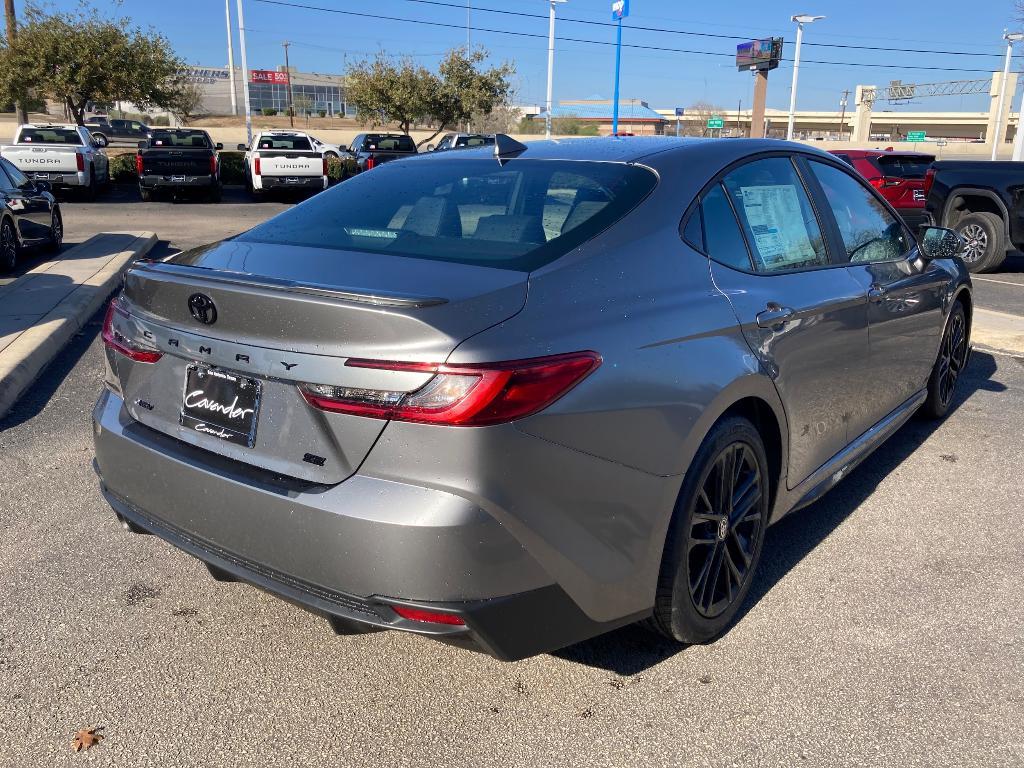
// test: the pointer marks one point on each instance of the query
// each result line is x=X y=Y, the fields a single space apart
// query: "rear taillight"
x=460 y=395
x=371 y=163
x=929 y=179
x=256 y=166
x=213 y=165
x=884 y=182
x=432 y=617
x=120 y=343
x=80 y=162
x=138 y=164
x=325 y=166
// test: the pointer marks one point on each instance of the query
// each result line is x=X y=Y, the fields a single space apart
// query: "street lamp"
x=551 y=65
x=1010 y=38
x=800 y=19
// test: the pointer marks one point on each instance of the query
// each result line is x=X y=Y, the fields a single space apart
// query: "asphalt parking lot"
x=885 y=627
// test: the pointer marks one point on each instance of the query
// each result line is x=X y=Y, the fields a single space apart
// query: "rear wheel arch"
x=964 y=201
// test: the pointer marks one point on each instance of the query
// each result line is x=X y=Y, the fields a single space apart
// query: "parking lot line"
x=993 y=280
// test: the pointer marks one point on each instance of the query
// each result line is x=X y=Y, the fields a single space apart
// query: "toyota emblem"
x=202 y=308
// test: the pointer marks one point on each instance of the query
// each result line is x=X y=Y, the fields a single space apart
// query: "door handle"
x=774 y=315
x=876 y=293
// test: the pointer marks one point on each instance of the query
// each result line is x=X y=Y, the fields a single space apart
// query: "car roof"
x=635 y=148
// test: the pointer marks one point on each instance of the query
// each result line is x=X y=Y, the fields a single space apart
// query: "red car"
x=899 y=176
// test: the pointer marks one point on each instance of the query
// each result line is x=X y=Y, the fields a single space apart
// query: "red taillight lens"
x=371 y=163
x=929 y=179
x=256 y=168
x=460 y=395
x=138 y=164
x=433 y=617
x=213 y=165
x=122 y=344
x=80 y=162
x=884 y=182
x=325 y=166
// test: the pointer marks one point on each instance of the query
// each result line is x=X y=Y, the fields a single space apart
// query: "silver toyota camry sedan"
x=517 y=396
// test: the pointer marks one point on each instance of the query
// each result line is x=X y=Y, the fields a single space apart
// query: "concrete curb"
x=998 y=331
x=24 y=359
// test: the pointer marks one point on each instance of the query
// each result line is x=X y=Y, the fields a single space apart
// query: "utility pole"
x=620 y=9
x=1010 y=39
x=739 y=108
x=551 y=66
x=12 y=32
x=231 y=58
x=800 y=20
x=469 y=26
x=842 y=117
x=245 y=74
x=288 y=72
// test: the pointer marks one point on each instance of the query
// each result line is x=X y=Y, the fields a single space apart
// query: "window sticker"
x=777 y=223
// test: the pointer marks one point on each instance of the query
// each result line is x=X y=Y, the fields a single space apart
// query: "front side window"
x=776 y=215
x=870 y=233
x=518 y=215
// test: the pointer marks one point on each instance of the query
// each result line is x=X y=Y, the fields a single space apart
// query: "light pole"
x=551 y=65
x=245 y=74
x=800 y=19
x=231 y=58
x=1010 y=38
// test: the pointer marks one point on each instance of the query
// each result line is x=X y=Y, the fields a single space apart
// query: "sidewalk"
x=999 y=331
x=44 y=308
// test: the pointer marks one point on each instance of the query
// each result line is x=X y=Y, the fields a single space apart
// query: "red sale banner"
x=269 y=76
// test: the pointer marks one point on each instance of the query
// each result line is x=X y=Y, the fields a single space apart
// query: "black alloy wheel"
x=950 y=363
x=724 y=528
x=56 y=231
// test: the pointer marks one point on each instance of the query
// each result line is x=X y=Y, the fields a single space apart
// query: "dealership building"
x=268 y=89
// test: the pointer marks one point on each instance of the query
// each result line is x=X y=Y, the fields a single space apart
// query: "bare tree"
x=703 y=111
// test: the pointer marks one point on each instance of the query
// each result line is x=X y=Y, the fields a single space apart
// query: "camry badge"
x=202 y=308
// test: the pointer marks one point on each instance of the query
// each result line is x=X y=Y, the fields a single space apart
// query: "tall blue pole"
x=618 y=60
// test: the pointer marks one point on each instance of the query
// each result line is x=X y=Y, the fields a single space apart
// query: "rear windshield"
x=195 y=139
x=474 y=141
x=49 y=136
x=905 y=166
x=389 y=143
x=296 y=143
x=520 y=215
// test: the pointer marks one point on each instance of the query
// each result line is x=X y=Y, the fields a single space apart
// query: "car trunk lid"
x=290 y=163
x=274 y=320
x=176 y=162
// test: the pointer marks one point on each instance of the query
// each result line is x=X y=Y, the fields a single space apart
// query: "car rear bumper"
x=348 y=552
x=58 y=179
x=293 y=182
x=169 y=182
x=914 y=217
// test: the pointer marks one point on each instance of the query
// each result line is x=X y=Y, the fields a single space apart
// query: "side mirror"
x=940 y=243
x=343 y=148
x=242 y=148
x=143 y=145
x=218 y=146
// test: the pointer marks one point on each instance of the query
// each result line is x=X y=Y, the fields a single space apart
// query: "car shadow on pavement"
x=633 y=649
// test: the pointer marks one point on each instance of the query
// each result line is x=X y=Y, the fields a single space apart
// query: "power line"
x=571 y=20
x=380 y=17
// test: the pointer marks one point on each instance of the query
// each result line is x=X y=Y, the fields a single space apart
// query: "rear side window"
x=722 y=237
x=50 y=136
x=518 y=215
x=904 y=166
x=294 y=143
x=776 y=215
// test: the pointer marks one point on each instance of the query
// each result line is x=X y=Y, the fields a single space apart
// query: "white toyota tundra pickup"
x=283 y=160
x=66 y=156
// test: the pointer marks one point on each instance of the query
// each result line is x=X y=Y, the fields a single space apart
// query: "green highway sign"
x=716 y=122
x=915 y=135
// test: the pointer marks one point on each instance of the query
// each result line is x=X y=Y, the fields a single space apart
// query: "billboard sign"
x=268 y=76
x=759 y=54
x=620 y=9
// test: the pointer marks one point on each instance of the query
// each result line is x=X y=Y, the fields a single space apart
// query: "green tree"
x=77 y=57
x=387 y=90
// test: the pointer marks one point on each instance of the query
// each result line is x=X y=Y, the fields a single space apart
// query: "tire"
x=256 y=194
x=145 y=194
x=948 y=366
x=9 y=248
x=56 y=231
x=331 y=155
x=985 y=234
x=705 y=545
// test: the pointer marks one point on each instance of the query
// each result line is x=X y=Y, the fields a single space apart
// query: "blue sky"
x=324 y=40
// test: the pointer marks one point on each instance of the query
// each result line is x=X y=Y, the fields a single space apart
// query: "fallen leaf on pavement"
x=86 y=737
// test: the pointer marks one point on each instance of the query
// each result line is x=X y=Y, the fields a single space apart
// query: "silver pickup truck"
x=66 y=156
